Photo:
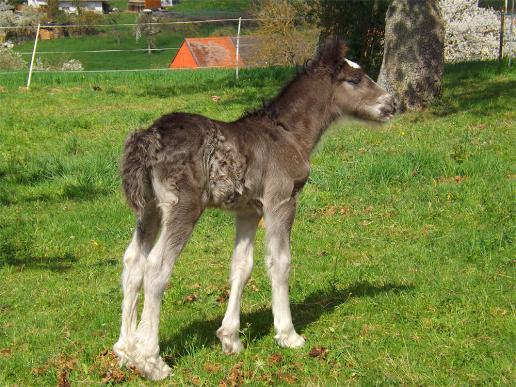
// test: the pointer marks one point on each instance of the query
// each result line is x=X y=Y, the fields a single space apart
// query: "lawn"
x=403 y=248
x=212 y=8
x=55 y=52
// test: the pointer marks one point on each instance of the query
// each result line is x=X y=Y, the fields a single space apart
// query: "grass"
x=213 y=8
x=123 y=37
x=403 y=246
x=120 y=38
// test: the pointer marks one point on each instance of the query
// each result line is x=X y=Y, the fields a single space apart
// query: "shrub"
x=72 y=65
x=39 y=65
x=472 y=33
x=286 y=35
x=10 y=60
x=87 y=20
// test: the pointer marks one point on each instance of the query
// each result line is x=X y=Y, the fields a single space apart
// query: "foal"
x=255 y=166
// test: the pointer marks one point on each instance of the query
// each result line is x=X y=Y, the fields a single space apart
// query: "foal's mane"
x=329 y=59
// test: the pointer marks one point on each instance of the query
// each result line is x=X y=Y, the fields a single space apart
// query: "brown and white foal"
x=255 y=166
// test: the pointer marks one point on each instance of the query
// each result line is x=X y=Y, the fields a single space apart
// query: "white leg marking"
x=132 y=278
x=143 y=347
x=278 y=264
x=241 y=267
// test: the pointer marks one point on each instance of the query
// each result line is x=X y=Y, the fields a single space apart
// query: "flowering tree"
x=147 y=29
x=21 y=22
x=472 y=32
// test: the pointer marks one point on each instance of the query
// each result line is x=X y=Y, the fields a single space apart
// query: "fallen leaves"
x=109 y=369
x=223 y=296
x=191 y=298
x=64 y=367
x=318 y=352
x=451 y=179
x=275 y=358
x=6 y=352
x=287 y=378
x=335 y=210
x=212 y=368
x=235 y=377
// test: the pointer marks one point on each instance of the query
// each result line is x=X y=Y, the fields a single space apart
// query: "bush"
x=10 y=60
x=87 y=20
x=39 y=65
x=72 y=65
x=286 y=35
x=472 y=33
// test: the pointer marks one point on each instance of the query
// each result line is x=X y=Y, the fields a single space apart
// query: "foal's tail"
x=135 y=167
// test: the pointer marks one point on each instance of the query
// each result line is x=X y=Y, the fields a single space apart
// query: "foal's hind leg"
x=176 y=226
x=241 y=267
x=132 y=275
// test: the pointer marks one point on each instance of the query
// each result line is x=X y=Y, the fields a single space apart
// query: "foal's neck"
x=304 y=109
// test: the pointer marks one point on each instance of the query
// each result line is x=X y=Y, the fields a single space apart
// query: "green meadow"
x=116 y=35
x=404 y=263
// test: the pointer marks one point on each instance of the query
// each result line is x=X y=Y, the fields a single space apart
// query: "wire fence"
x=113 y=47
x=63 y=45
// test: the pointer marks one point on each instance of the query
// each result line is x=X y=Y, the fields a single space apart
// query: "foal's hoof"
x=290 y=340
x=150 y=366
x=120 y=350
x=230 y=342
x=153 y=368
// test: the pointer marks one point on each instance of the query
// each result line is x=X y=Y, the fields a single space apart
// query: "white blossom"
x=472 y=33
x=72 y=65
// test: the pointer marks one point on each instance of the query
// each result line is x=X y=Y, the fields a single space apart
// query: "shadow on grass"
x=474 y=99
x=472 y=87
x=55 y=263
x=201 y=333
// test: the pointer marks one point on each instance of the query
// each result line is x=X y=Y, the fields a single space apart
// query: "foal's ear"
x=332 y=53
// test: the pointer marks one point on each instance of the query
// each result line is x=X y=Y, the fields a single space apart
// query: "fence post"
x=33 y=55
x=511 y=39
x=238 y=46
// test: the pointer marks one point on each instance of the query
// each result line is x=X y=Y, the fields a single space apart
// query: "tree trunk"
x=413 y=59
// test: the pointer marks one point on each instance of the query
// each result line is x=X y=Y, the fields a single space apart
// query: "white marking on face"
x=352 y=64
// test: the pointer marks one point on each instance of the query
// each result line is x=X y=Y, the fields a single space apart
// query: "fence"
x=112 y=48
x=159 y=58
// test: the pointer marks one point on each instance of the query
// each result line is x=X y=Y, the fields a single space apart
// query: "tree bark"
x=413 y=60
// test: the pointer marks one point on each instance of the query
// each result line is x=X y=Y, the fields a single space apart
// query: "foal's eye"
x=355 y=80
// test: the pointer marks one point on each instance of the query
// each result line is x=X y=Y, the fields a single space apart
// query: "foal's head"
x=354 y=93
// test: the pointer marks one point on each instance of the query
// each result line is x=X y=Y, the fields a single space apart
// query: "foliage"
x=416 y=217
x=72 y=65
x=11 y=60
x=361 y=24
x=286 y=34
x=20 y=21
x=498 y=5
x=147 y=29
x=53 y=11
x=41 y=65
x=87 y=20
x=5 y=6
x=472 y=32
x=7 y=18
x=16 y=2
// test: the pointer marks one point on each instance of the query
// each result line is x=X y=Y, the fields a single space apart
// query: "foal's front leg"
x=241 y=267
x=278 y=222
